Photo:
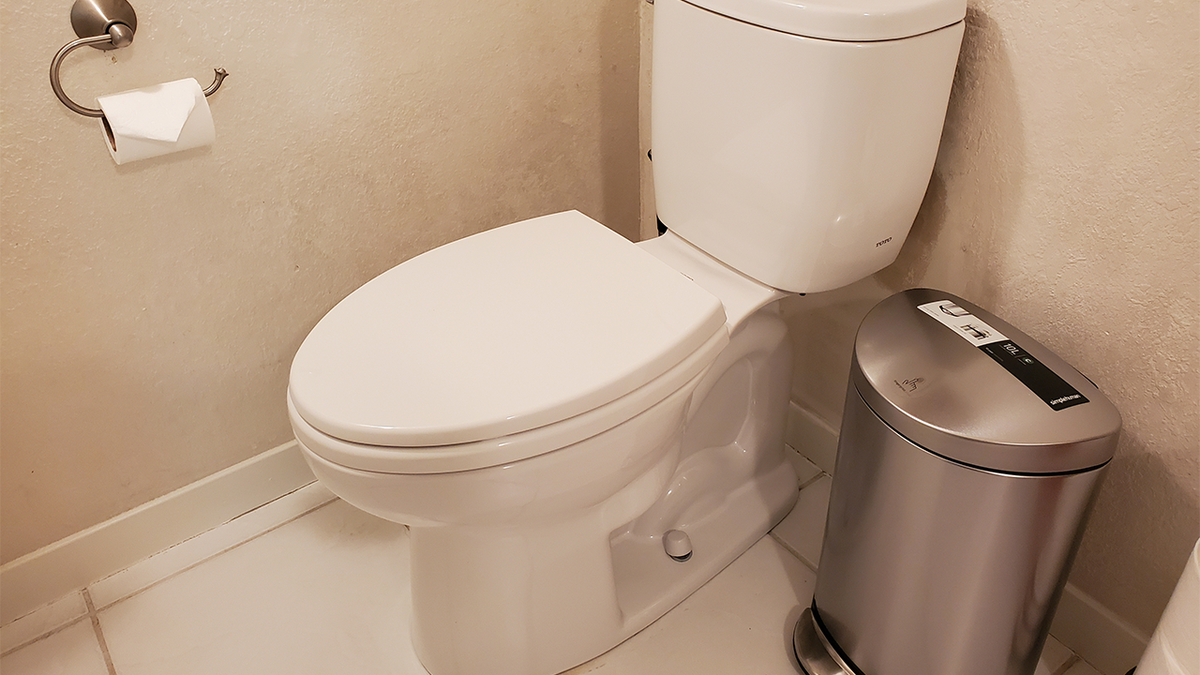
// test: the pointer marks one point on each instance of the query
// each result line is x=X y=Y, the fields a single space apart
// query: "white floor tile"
x=1054 y=657
x=202 y=547
x=39 y=622
x=740 y=622
x=803 y=530
x=72 y=651
x=326 y=593
x=1043 y=669
x=1082 y=668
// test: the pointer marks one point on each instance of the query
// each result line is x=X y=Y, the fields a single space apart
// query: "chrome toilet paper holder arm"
x=104 y=24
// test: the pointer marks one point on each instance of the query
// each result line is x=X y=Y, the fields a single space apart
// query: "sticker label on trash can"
x=968 y=326
x=1041 y=380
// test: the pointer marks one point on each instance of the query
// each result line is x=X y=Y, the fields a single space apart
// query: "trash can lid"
x=966 y=385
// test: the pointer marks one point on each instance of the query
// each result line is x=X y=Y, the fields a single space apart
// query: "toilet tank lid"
x=843 y=20
x=501 y=332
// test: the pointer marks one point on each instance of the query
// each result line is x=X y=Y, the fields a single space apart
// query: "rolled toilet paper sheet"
x=155 y=121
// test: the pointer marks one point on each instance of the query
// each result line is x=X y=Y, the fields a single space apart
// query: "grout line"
x=43 y=636
x=91 y=610
x=788 y=547
x=814 y=479
x=1067 y=665
x=176 y=573
x=263 y=505
x=795 y=554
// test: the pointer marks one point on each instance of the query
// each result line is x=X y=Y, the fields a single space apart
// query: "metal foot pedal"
x=813 y=650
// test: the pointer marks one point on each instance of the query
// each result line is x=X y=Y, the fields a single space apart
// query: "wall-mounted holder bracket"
x=103 y=24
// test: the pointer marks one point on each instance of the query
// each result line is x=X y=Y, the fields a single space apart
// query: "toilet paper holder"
x=104 y=24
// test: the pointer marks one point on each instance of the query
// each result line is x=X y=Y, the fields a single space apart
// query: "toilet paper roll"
x=155 y=121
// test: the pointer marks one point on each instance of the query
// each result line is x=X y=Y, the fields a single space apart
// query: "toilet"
x=580 y=431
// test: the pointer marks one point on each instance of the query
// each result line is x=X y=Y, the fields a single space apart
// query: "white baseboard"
x=1100 y=637
x=812 y=437
x=51 y=572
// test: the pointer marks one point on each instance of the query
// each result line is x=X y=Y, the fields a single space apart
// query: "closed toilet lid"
x=501 y=332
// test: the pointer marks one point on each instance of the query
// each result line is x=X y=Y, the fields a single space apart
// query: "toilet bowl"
x=540 y=545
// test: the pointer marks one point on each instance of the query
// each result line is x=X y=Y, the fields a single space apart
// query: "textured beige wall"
x=1065 y=199
x=150 y=311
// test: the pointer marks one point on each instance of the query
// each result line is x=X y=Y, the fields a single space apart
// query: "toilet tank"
x=794 y=141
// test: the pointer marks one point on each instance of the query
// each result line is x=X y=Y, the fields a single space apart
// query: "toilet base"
x=535 y=566
x=649 y=582
x=732 y=485
x=620 y=585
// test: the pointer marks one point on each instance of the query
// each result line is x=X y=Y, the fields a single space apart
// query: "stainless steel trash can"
x=969 y=458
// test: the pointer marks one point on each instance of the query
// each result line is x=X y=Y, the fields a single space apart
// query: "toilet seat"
x=505 y=449
x=472 y=347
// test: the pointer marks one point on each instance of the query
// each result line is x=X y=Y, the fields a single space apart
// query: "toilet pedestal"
x=540 y=596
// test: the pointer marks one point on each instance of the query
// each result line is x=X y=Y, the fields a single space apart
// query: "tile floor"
x=309 y=585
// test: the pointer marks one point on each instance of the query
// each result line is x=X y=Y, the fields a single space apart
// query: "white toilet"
x=580 y=431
